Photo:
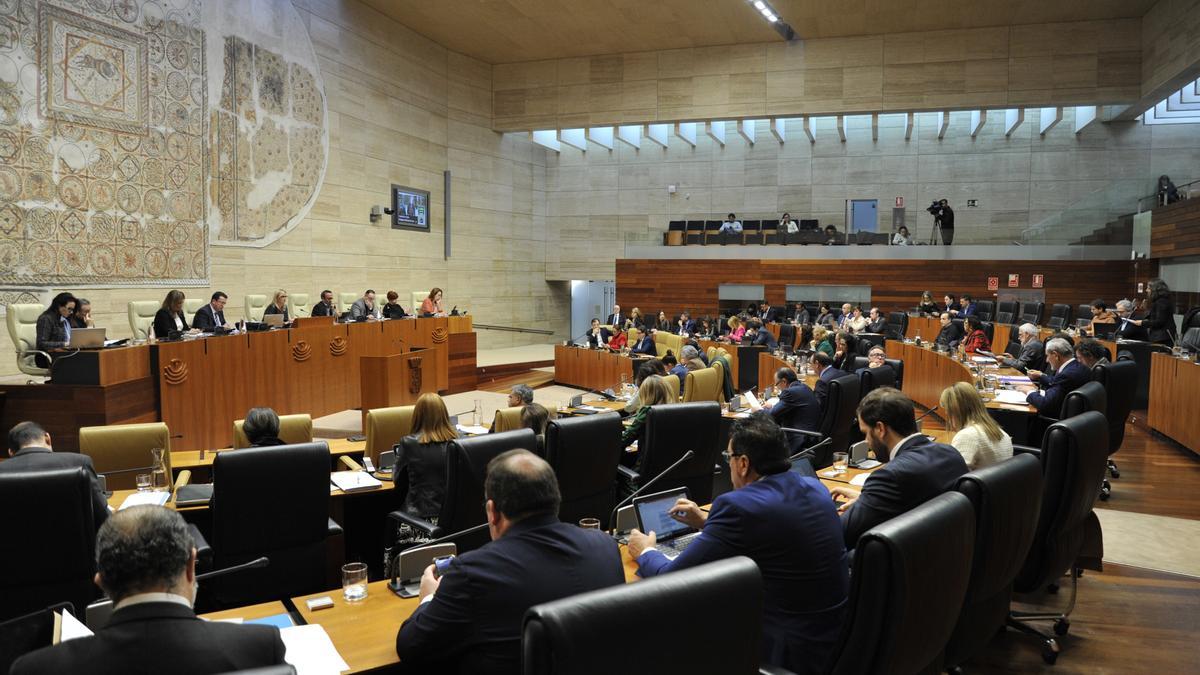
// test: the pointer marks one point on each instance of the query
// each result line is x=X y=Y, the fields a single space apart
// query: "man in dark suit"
x=597 y=335
x=797 y=408
x=1126 y=329
x=684 y=325
x=212 y=315
x=876 y=321
x=826 y=373
x=1032 y=356
x=1052 y=390
x=916 y=471
x=146 y=562
x=29 y=450
x=966 y=307
x=768 y=314
x=645 y=344
x=951 y=332
x=325 y=307
x=758 y=335
x=469 y=619
x=615 y=318
x=786 y=523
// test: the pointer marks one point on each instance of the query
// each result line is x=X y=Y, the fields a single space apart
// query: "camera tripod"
x=935 y=233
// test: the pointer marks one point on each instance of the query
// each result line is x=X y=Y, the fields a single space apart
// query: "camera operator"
x=943 y=218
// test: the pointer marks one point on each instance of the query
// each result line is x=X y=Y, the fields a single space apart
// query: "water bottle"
x=158 y=471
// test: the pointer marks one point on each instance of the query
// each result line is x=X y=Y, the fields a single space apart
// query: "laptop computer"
x=87 y=338
x=654 y=513
x=1105 y=331
x=273 y=320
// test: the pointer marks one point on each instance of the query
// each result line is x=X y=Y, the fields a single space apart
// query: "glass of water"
x=144 y=482
x=354 y=581
x=839 y=462
x=589 y=523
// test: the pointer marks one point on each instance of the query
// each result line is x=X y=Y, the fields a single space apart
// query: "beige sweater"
x=978 y=450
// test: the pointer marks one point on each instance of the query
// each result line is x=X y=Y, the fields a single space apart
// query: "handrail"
x=1183 y=194
x=514 y=329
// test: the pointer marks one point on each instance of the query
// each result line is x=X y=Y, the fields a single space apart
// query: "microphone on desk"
x=612 y=518
x=253 y=564
x=927 y=413
x=809 y=451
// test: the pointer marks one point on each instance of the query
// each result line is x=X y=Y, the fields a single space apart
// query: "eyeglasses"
x=727 y=455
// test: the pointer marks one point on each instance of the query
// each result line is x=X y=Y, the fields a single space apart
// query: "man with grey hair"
x=1052 y=390
x=1126 y=329
x=520 y=396
x=1032 y=354
x=146 y=562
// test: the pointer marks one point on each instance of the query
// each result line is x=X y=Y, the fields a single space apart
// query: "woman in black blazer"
x=1161 y=321
x=170 y=317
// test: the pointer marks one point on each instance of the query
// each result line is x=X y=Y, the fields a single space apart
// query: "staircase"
x=1114 y=233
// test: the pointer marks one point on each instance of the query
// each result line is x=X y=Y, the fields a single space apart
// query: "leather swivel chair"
x=293 y=430
x=1191 y=339
x=507 y=419
x=344 y=300
x=299 y=305
x=51 y=554
x=672 y=382
x=22 y=328
x=989 y=329
x=1090 y=396
x=1006 y=312
x=837 y=419
x=254 y=308
x=787 y=335
x=1120 y=381
x=1073 y=457
x=1060 y=317
x=907 y=584
x=274 y=502
x=870 y=379
x=986 y=309
x=702 y=385
x=1031 y=312
x=897 y=325
x=385 y=427
x=116 y=449
x=29 y=632
x=141 y=318
x=672 y=430
x=466 y=469
x=575 y=635
x=584 y=452
x=896 y=365
x=193 y=305
x=1191 y=319
x=1006 y=498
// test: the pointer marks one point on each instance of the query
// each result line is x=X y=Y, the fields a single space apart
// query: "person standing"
x=1160 y=323
x=947 y=221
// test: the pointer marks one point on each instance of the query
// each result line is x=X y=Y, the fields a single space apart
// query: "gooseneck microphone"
x=612 y=518
x=927 y=413
x=253 y=564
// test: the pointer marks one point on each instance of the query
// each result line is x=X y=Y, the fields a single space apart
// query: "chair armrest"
x=349 y=463
x=184 y=478
x=773 y=670
x=628 y=473
x=204 y=552
x=334 y=528
x=1027 y=450
x=27 y=352
x=413 y=521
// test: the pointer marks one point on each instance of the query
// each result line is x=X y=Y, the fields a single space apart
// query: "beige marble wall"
x=1082 y=62
x=599 y=201
x=402 y=110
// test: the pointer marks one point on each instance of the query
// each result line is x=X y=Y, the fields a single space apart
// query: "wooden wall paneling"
x=462 y=363
x=1175 y=230
x=229 y=358
x=311 y=384
x=184 y=379
x=63 y=409
x=1172 y=411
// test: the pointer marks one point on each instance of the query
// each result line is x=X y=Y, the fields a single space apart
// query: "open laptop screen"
x=653 y=513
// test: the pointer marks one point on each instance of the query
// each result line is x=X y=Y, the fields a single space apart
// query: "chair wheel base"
x=1115 y=473
x=1050 y=652
x=1061 y=627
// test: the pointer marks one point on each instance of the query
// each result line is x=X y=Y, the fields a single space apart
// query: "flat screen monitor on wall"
x=410 y=208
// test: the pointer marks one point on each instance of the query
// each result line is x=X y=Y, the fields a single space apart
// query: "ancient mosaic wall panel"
x=103 y=143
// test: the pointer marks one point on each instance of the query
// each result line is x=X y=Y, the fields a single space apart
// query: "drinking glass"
x=589 y=523
x=143 y=482
x=354 y=581
x=839 y=462
x=477 y=413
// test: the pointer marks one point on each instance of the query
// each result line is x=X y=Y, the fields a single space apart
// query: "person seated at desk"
x=146 y=562
x=1032 y=351
x=927 y=306
x=645 y=370
x=832 y=237
x=520 y=396
x=822 y=340
x=826 y=373
x=756 y=334
x=29 y=449
x=645 y=344
x=736 y=331
x=731 y=225
x=797 y=408
x=876 y=322
x=902 y=237
x=845 y=350
x=825 y=316
x=469 y=618
x=364 y=307
x=768 y=314
x=1100 y=314
x=393 y=309
x=662 y=323
x=261 y=427
x=787 y=524
x=976 y=340
x=53 y=326
x=615 y=319
x=966 y=307
x=915 y=470
x=325 y=307
x=800 y=315
x=950 y=304
x=684 y=326
x=170 y=318
x=278 y=305
x=1091 y=353
x=82 y=316
x=535 y=416
x=876 y=358
x=1052 y=390
x=618 y=340
x=212 y=316
x=674 y=367
x=1129 y=330
x=421 y=465
x=977 y=437
x=636 y=320
x=597 y=335
x=950 y=334
x=704 y=329
x=432 y=304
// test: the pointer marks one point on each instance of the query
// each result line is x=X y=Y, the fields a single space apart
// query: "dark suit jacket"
x=688 y=327
x=950 y=334
x=970 y=310
x=879 y=326
x=645 y=345
x=1055 y=388
x=1129 y=331
x=764 y=337
x=164 y=323
x=272 y=309
x=797 y=409
x=321 y=309
x=473 y=624
x=823 y=380
x=605 y=336
x=611 y=319
x=51 y=334
x=1033 y=355
x=919 y=471
x=801 y=317
x=159 y=637
x=41 y=459
x=770 y=316
x=788 y=525
x=393 y=311
x=205 y=320
x=1160 y=323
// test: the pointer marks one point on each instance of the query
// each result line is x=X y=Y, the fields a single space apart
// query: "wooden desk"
x=119 y=496
x=927 y=327
x=364 y=632
x=191 y=459
x=593 y=368
x=100 y=366
x=927 y=373
x=1174 y=384
x=248 y=613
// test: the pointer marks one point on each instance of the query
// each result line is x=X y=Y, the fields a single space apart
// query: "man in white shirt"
x=731 y=225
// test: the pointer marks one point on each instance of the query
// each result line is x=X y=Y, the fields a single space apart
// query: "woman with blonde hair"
x=422 y=456
x=821 y=341
x=654 y=391
x=279 y=306
x=636 y=319
x=736 y=330
x=977 y=437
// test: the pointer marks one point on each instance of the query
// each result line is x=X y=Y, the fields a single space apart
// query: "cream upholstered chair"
x=664 y=341
x=634 y=335
x=507 y=419
x=672 y=382
x=703 y=385
x=122 y=447
x=141 y=317
x=385 y=428
x=710 y=353
x=721 y=375
x=292 y=429
x=299 y=305
x=22 y=328
x=191 y=306
x=345 y=300
x=417 y=298
x=255 y=306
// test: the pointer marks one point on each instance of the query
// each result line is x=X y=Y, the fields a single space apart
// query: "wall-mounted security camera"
x=378 y=212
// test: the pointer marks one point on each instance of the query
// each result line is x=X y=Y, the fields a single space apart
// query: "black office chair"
x=1006 y=498
x=871 y=379
x=1090 y=396
x=985 y=309
x=1031 y=312
x=274 y=502
x=1120 y=381
x=577 y=635
x=864 y=341
x=897 y=325
x=466 y=469
x=1191 y=318
x=752 y=232
x=1006 y=312
x=989 y=329
x=1060 y=317
x=1083 y=313
x=787 y=336
x=694 y=233
x=672 y=430
x=50 y=534
x=838 y=419
x=907 y=586
x=773 y=233
x=896 y=365
x=679 y=226
x=1073 y=458
x=1191 y=339
x=584 y=452
x=712 y=232
x=24 y=634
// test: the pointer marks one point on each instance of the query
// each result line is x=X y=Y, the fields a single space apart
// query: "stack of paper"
x=1010 y=396
x=310 y=650
x=472 y=429
x=1014 y=379
x=151 y=498
x=67 y=627
x=354 y=481
x=983 y=359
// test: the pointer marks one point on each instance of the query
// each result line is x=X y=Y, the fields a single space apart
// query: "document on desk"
x=1010 y=396
x=67 y=627
x=309 y=649
x=1014 y=379
x=148 y=498
x=354 y=481
x=472 y=429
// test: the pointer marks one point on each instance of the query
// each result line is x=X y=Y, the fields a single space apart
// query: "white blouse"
x=978 y=450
